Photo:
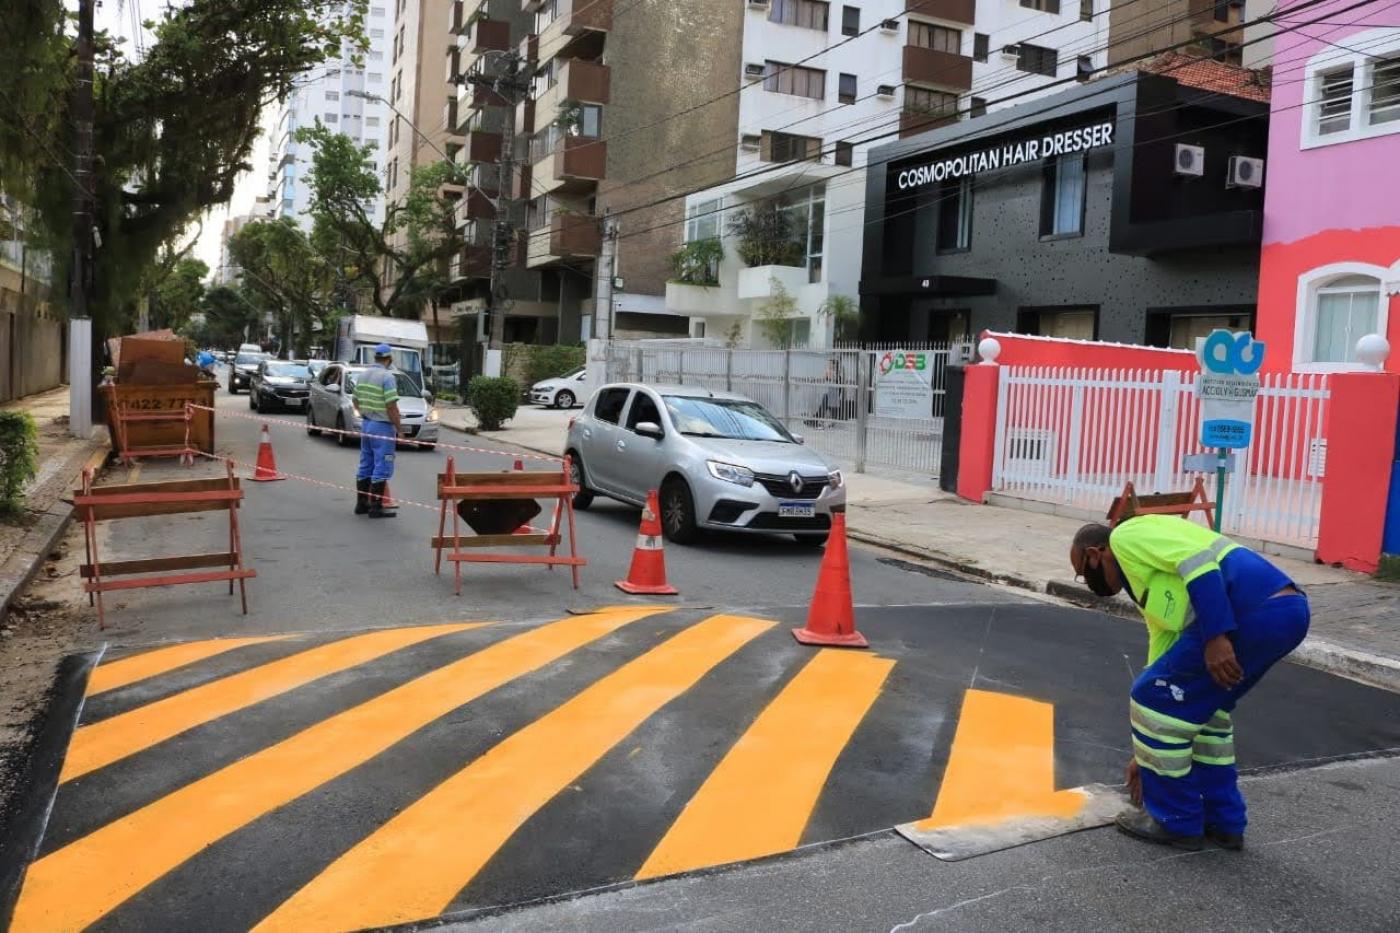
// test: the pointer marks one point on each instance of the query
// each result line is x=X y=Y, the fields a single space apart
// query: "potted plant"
x=766 y=236
x=697 y=262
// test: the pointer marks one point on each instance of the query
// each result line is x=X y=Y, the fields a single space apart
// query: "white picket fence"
x=1075 y=436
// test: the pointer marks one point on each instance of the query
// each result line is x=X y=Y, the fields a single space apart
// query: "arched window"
x=1343 y=309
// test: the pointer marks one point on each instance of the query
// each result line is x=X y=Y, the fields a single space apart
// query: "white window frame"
x=1371 y=45
x=1305 y=320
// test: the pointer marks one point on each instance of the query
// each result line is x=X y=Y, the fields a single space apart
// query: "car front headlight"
x=434 y=414
x=730 y=472
x=834 y=479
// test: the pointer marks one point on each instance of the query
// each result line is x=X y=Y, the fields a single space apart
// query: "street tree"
x=285 y=276
x=228 y=315
x=178 y=295
x=172 y=131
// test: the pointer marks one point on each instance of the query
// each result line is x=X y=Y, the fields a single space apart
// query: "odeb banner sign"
x=1006 y=155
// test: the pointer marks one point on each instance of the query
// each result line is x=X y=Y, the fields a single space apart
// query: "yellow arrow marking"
x=1002 y=765
x=128 y=670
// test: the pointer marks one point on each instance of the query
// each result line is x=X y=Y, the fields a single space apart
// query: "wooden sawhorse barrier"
x=1130 y=504
x=454 y=487
x=95 y=504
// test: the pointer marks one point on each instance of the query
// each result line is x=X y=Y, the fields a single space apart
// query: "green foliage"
x=550 y=360
x=19 y=458
x=172 y=132
x=844 y=313
x=227 y=317
x=734 y=336
x=697 y=262
x=493 y=400
x=179 y=295
x=283 y=275
x=570 y=116
x=775 y=315
x=767 y=237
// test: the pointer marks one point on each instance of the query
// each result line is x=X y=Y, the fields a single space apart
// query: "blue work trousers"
x=1183 y=733
x=377 y=451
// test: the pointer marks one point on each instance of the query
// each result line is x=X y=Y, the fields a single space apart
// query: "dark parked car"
x=240 y=374
x=280 y=384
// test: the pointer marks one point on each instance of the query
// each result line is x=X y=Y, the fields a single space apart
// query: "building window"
x=980 y=46
x=1062 y=197
x=977 y=107
x=590 y=122
x=332 y=95
x=1232 y=53
x=810 y=14
x=796 y=80
x=1086 y=10
x=376 y=11
x=702 y=220
x=375 y=77
x=1036 y=59
x=371 y=121
x=1343 y=310
x=939 y=38
x=846 y=89
x=1083 y=68
x=1334 y=103
x=955 y=215
x=376 y=56
x=845 y=153
x=850 y=20
x=806 y=209
x=934 y=103
x=373 y=143
x=1384 y=103
x=376 y=34
x=1044 y=6
x=332 y=118
x=1353 y=92
x=785 y=147
x=1067 y=323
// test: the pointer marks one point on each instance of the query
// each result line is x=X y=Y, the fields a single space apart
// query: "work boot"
x=376 y=502
x=361 y=496
x=1232 y=841
x=1140 y=825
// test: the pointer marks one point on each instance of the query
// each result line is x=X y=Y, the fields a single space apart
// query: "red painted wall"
x=1022 y=350
x=1363 y=414
x=1281 y=265
x=979 y=430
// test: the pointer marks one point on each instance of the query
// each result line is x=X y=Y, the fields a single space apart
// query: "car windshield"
x=728 y=418
x=407 y=387
x=294 y=370
x=248 y=358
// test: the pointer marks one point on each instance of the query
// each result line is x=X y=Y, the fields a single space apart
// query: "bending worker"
x=1218 y=617
x=377 y=403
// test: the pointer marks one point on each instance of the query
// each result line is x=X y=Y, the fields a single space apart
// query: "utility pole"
x=603 y=294
x=79 y=319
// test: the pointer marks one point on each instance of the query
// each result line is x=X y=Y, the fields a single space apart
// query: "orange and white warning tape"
x=408 y=441
x=395 y=498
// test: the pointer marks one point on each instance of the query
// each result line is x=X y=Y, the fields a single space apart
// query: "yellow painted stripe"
x=1002 y=765
x=759 y=798
x=113 y=739
x=128 y=670
x=121 y=858
x=414 y=865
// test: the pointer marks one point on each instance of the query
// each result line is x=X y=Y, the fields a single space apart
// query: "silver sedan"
x=719 y=461
x=332 y=406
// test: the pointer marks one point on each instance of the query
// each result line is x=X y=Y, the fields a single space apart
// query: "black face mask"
x=1096 y=579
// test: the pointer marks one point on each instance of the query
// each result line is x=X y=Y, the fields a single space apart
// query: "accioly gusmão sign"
x=1004 y=156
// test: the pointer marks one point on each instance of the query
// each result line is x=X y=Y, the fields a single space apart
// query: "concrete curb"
x=24 y=562
x=1354 y=664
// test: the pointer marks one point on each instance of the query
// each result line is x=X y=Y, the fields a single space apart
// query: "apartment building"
x=615 y=101
x=1218 y=29
x=228 y=271
x=821 y=84
x=325 y=94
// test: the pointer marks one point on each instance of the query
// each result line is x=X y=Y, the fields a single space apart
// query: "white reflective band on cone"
x=648 y=542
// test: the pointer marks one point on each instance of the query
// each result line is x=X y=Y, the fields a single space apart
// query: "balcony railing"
x=474 y=205
x=914 y=122
x=943 y=69
x=566 y=236
x=576 y=19
x=471 y=262
x=957 y=11
x=572 y=163
x=490 y=35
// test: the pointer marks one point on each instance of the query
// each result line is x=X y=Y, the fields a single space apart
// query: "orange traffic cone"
x=267 y=464
x=525 y=528
x=647 y=575
x=831 y=618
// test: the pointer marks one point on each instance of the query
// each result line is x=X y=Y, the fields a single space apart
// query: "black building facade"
x=1070 y=216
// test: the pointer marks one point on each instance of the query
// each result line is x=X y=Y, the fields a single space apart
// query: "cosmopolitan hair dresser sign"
x=1007 y=154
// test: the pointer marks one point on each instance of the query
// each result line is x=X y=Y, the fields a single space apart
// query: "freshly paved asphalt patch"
x=344 y=780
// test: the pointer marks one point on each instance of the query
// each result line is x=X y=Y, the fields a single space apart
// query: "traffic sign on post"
x=1227 y=387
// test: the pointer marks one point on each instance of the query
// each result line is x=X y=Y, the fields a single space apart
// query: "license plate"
x=296 y=402
x=796 y=510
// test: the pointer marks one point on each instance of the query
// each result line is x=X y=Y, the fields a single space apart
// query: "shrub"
x=549 y=360
x=493 y=400
x=767 y=237
x=19 y=458
x=697 y=262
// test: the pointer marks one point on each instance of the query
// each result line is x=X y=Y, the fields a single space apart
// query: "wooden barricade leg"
x=187 y=458
x=96 y=558
x=567 y=502
x=442 y=524
x=1199 y=493
x=456 y=533
x=89 y=529
x=237 y=538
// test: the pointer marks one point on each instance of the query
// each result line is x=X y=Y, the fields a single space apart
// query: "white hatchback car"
x=564 y=391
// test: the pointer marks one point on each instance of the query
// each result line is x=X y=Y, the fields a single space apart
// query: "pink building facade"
x=1330 y=264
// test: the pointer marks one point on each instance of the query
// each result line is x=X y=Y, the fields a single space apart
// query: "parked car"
x=240 y=374
x=332 y=406
x=279 y=384
x=720 y=461
x=564 y=391
x=316 y=366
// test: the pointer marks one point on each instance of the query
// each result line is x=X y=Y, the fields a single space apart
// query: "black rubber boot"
x=1140 y=825
x=362 y=496
x=376 y=502
x=1232 y=841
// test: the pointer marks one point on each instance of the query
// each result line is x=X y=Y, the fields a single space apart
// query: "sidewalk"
x=26 y=543
x=1355 y=624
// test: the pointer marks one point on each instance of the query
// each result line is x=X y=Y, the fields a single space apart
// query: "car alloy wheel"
x=584 y=497
x=311 y=421
x=678 y=512
x=565 y=399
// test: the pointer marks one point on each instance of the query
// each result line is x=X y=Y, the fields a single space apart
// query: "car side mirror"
x=799 y=439
x=333 y=388
x=649 y=429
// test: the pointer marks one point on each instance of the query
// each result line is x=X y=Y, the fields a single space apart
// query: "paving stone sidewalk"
x=1356 y=620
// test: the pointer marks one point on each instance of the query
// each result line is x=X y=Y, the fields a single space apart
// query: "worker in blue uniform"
x=1218 y=617
x=377 y=401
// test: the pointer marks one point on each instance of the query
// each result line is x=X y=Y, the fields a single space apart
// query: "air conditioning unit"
x=1011 y=51
x=890 y=25
x=1245 y=172
x=750 y=142
x=885 y=90
x=1189 y=161
x=755 y=70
